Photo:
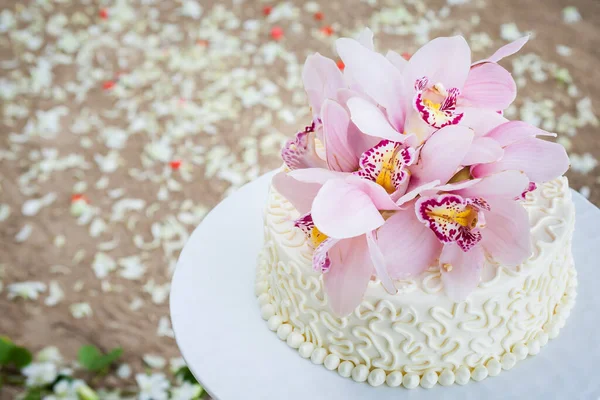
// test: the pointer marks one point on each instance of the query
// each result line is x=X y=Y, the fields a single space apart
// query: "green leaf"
x=92 y=359
x=12 y=354
x=33 y=394
x=87 y=355
x=186 y=375
x=20 y=356
x=6 y=347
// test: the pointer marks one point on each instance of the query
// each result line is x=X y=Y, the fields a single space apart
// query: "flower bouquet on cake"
x=416 y=202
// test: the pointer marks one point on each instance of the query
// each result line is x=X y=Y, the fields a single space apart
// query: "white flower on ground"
x=26 y=290
x=571 y=15
x=152 y=387
x=65 y=390
x=124 y=371
x=80 y=310
x=175 y=364
x=154 y=361
x=49 y=354
x=192 y=9
x=39 y=374
x=187 y=391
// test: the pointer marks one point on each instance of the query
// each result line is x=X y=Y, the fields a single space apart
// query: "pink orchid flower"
x=340 y=206
x=323 y=80
x=458 y=224
x=434 y=89
x=339 y=221
x=515 y=146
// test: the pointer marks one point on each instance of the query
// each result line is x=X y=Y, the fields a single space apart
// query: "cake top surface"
x=410 y=163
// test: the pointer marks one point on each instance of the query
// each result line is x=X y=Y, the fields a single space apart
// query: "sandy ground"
x=131 y=127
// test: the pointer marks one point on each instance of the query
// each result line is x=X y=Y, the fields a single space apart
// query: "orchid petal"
x=300 y=152
x=384 y=164
x=418 y=129
x=539 y=159
x=316 y=175
x=342 y=210
x=514 y=131
x=321 y=261
x=481 y=121
x=409 y=247
x=378 y=195
x=450 y=217
x=415 y=192
x=507 y=235
x=438 y=115
x=366 y=38
x=397 y=60
x=442 y=154
x=379 y=263
x=345 y=94
x=489 y=86
x=446 y=60
x=322 y=78
x=349 y=274
x=300 y=194
x=449 y=187
x=507 y=184
x=483 y=150
x=506 y=50
x=377 y=77
x=371 y=120
x=461 y=271
x=339 y=153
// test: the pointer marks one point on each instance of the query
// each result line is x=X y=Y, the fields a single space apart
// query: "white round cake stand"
x=229 y=348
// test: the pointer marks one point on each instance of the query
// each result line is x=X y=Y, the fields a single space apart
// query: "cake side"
x=419 y=334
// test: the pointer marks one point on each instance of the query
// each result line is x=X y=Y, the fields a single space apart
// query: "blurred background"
x=124 y=122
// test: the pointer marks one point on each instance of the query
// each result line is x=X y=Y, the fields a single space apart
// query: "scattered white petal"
x=32 y=206
x=154 y=361
x=584 y=164
x=80 y=310
x=24 y=233
x=510 y=32
x=124 y=371
x=103 y=264
x=56 y=294
x=40 y=374
x=571 y=15
x=153 y=386
x=192 y=9
x=49 y=354
x=132 y=268
x=26 y=290
x=164 y=328
x=176 y=363
x=564 y=51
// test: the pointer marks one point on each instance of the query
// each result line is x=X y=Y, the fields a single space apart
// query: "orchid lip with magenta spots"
x=411 y=164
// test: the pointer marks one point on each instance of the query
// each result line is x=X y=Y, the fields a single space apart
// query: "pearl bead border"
x=377 y=376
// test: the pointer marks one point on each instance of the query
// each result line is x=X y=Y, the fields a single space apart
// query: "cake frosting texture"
x=420 y=336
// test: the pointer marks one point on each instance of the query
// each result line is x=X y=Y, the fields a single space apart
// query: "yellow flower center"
x=431 y=104
x=466 y=217
x=462 y=175
x=385 y=176
x=317 y=237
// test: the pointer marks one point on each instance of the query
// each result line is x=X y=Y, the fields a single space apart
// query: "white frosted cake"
x=418 y=335
x=414 y=235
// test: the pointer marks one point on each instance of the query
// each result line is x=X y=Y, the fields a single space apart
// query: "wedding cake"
x=414 y=235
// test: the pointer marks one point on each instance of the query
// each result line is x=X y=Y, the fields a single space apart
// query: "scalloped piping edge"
x=377 y=376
